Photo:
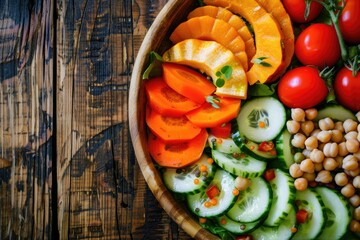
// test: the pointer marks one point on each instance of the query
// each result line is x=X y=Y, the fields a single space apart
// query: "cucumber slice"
x=236 y=227
x=244 y=166
x=254 y=203
x=225 y=145
x=283 y=198
x=311 y=201
x=225 y=200
x=283 y=231
x=264 y=110
x=182 y=180
x=335 y=112
x=284 y=151
x=251 y=148
x=338 y=212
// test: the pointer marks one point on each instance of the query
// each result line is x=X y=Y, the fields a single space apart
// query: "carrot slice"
x=187 y=82
x=165 y=100
x=234 y=20
x=208 y=116
x=209 y=28
x=171 y=129
x=177 y=155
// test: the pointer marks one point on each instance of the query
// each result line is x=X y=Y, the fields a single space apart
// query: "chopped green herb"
x=224 y=74
x=154 y=69
x=260 y=60
x=212 y=100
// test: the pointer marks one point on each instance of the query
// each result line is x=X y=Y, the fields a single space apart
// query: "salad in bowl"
x=247 y=118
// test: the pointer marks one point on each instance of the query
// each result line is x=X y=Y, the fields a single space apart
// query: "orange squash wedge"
x=268 y=38
x=209 y=28
x=234 y=20
x=210 y=57
x=276 y=8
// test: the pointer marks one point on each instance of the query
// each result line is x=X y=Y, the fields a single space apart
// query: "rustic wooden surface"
x=67 y=168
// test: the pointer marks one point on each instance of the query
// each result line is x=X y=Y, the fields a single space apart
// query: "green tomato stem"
x=329 y=5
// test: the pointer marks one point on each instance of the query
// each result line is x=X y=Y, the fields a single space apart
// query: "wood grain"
x=26 y=119
x=67 y=165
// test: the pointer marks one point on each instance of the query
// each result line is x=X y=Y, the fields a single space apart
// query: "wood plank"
x=26 y=119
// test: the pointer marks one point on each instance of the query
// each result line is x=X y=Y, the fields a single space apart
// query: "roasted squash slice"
x=209 y=28
x=234 y=20
x=276 y=8
x=268 y=38
x=210 y=57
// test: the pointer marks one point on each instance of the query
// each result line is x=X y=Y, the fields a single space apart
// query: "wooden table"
x=67 y=168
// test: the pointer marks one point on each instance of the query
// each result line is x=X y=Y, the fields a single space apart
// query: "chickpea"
x=309 y=176
x=331 y=149
x=348 y=190
x=358 y=136
x=293 y=126
x=298 y=157
x=356 y=182
x=353 y=173
x=307 y=127
x=357 y=115
x=324 y=136
x=349 y=125
x=307 y=166
x=355 y=200
x=352 y=145
x=326 y=124
x=242 y=183
x=351 y=135
x=336 y=135
x=357 y=155
x=306 y=153
x=311 y=113
x=311 y=143
x=295 y=171
x=330 y=164
x=342 y=149
x=298 y=140
x=315 y=132
x=298 y=114
x=354 y=226
x=317 y=156
x=341 y=179
x=324 y=176
x=339 y=126
x=339 y=160
x=318 y=167
x=301 y=184
x=350 y=163
x=357 y=213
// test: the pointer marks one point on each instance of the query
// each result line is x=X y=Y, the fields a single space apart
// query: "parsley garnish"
x=224 y=74
x=260 y=60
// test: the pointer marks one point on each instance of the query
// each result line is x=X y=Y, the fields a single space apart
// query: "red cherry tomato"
x=302 y=87
x=296 y=10
x=222 y=131
x=349 y=21
x=318 y=45
x=347 y=89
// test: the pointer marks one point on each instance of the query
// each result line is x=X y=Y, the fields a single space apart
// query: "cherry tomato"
x=222 y=131
x=318 y=45
x=347 y=89
x=296 y=10
x=349 y=21
x=302 y=87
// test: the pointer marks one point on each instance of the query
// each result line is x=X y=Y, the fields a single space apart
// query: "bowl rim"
x=138 y=130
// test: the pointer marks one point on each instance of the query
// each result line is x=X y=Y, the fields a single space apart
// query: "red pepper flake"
x=269 y=174
x=212 y=192
x=302 y=216
x=266 y=146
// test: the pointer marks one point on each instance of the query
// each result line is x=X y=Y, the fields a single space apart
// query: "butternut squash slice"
x=209 y=28
x=210 y=57
x=268 y=38
x=234 y=20
x=276 y=8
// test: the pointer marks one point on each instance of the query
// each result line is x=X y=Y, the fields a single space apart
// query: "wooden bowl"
x=156 y=39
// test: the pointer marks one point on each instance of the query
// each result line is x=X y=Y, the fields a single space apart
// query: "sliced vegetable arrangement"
x=255 y=128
